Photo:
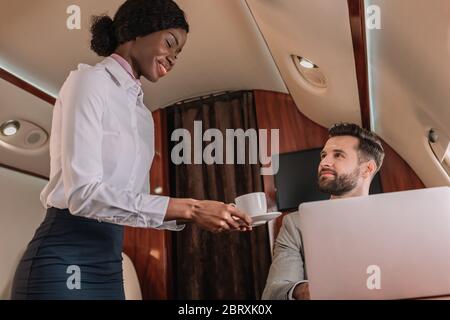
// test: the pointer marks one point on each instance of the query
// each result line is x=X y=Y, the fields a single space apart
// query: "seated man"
x=349 y=161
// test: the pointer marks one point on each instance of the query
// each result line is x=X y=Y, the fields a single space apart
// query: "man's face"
x=339 y=168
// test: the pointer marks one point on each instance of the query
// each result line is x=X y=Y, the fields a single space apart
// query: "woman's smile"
x=162 y=70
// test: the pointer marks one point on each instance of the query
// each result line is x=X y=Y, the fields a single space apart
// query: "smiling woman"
x=102 y=142
x=138 y=34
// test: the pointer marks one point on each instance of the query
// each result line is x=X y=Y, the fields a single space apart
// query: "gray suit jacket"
x=287 y=265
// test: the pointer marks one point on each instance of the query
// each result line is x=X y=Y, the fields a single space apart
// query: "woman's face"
x=154 y=55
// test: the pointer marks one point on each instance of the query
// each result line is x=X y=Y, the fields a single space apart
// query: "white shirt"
x=101 y=148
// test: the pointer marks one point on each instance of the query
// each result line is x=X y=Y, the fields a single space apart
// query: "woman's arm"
x=81 y=105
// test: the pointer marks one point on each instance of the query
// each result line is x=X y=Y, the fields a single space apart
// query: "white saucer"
x=261 y=219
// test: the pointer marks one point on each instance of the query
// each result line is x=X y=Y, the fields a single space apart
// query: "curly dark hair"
x=369 y=147
x=135 y=18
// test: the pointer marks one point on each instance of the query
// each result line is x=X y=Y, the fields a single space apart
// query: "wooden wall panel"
x=396 y=174
x=150 y=249
x=278 y=111
x=357 y=15
x=5 y=75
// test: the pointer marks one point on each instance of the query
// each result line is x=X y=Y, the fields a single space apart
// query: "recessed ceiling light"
x=310 y=72
x=10 y=128
x=305 y=63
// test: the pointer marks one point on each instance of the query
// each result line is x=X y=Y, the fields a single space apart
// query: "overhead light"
x=10 y=128
x=305 y=63
x=30 y=136
x=310 y=72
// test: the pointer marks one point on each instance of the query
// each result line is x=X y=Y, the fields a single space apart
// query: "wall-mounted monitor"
x=296 y=180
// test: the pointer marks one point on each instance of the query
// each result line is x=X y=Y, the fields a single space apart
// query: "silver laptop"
x=386 y=246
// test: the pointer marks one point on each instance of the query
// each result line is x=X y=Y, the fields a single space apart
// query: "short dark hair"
x=369 y=146
x=134 y=18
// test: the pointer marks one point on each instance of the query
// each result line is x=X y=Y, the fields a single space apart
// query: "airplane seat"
x=130 y=280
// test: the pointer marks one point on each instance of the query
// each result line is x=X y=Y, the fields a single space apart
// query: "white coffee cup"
x=252 y=203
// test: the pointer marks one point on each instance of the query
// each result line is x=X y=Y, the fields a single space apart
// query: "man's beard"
x=341 y=184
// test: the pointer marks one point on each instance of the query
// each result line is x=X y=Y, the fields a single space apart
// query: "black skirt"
x=71 y=257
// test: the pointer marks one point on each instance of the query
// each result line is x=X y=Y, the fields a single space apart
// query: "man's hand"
x=301 y=291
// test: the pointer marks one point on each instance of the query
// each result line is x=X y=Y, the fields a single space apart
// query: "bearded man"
x=349 y=160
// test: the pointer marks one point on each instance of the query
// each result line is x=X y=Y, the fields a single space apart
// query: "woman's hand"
x=301 y=292
x=217 y=216
x=210 y=215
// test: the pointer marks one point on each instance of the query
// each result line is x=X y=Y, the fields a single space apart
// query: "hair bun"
x=104 y=41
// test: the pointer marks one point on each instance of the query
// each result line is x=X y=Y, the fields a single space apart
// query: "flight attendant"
x=101 y=148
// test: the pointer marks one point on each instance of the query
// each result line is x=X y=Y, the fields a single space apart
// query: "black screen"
x=296 y=180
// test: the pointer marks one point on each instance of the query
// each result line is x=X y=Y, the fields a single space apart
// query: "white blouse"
x=101 y=148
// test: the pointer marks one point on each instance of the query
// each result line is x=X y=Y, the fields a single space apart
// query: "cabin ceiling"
x=225 y=50
x=244 y=45
x=320 y=31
